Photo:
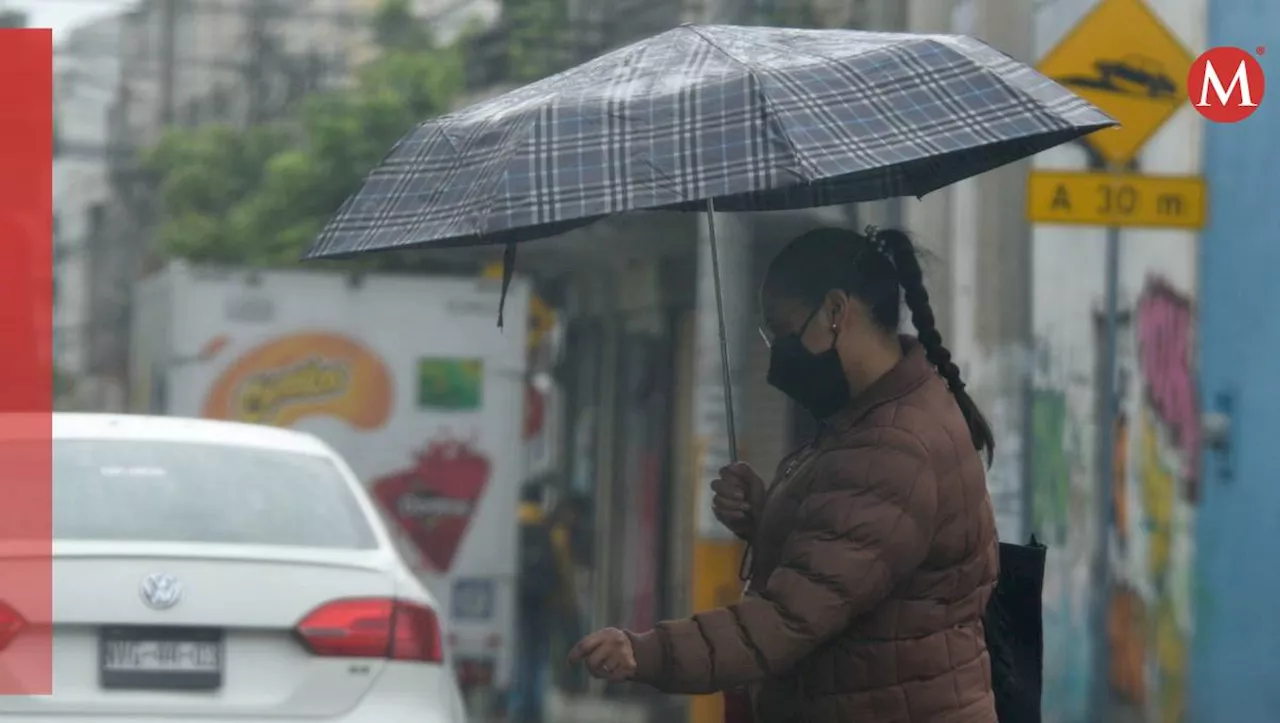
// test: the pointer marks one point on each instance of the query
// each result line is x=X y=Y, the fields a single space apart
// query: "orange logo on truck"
x=304 y=375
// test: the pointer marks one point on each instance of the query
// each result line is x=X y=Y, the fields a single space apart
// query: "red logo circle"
x=1226 y=84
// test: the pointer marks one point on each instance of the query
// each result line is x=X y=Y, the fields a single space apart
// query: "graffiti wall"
x=1062 y=516
x=1150 y=602
x=1152 y=489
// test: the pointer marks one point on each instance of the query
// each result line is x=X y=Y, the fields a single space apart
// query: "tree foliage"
x=538 y=38
x=258 y=196
x=795 y=14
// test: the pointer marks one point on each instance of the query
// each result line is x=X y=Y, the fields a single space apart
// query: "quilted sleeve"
x=866 y=523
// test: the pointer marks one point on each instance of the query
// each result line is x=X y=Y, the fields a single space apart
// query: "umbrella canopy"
x=755 y=118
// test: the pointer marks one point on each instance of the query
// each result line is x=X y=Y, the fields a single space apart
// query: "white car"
x=225 y=573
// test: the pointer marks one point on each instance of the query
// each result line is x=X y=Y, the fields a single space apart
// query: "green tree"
x=344 y=135
x=259 y=196
x=395 y=27
x=205 y=173
x=538 y=37
x=793 y=14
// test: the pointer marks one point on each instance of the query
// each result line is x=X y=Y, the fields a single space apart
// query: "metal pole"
x=1028 y=370
x=258 y=20
x=726 y=374
x=606 y=446
x=168 y=61
x=1105 y=473
x=1027 y=463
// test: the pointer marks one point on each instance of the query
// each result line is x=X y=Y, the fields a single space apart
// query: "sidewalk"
x=590 y=709
x=563 y=708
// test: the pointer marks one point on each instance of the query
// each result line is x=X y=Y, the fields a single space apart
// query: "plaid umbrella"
x=755 y=118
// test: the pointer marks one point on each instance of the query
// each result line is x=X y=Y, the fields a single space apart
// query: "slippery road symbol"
x=1132 y=75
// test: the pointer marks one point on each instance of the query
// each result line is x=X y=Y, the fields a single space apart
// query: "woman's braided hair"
x=911 y=278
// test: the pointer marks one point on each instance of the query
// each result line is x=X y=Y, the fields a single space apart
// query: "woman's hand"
x=608 y=655
x=738 y=499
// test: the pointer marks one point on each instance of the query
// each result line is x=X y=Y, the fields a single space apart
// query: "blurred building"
x=192 y=62
x=243 y=61
x=86 y=74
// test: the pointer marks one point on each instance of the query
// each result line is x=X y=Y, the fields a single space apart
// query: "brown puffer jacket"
x=874 y=559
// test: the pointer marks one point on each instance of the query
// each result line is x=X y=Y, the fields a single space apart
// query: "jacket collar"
x=909 y=373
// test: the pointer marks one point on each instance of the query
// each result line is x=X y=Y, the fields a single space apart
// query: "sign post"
x=1121 y=58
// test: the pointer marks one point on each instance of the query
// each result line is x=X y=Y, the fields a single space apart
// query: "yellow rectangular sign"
x=1107 y=199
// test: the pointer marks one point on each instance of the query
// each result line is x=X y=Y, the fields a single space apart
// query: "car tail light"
x=11 y=623
x=373 y=628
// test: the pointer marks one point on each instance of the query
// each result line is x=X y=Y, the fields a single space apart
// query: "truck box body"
x=407 y=377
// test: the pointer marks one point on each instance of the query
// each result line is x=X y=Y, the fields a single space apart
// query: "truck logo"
x=294 y=377
x=434 y=500
x=261 y=396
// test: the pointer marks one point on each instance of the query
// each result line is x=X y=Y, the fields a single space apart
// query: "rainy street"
x=712 y=361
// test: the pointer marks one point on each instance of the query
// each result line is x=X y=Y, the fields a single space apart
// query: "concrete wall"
x=1151 y=547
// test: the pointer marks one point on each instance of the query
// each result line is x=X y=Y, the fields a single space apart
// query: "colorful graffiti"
x=1060 y=474
x=1153 y=490
x=1149 y=619
x=1126 y=612
x=1165 y=348
x=1049 y=466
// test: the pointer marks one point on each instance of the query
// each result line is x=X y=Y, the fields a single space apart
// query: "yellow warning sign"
x=1103 y=199
x=1122 y=58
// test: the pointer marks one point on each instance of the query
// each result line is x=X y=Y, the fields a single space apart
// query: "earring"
x=833 y=327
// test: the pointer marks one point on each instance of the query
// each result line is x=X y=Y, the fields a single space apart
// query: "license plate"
x=164 y=658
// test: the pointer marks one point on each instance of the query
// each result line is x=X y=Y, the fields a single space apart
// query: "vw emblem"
x=160 y=591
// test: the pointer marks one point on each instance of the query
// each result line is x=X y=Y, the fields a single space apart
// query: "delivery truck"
x=408 y=377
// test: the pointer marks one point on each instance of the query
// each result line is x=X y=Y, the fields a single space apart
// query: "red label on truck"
x=434 y=501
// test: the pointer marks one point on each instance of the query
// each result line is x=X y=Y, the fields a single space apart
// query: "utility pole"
x=256 y=78
x=168 y=60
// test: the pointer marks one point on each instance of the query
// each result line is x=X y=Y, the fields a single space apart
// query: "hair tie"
x=875 y=239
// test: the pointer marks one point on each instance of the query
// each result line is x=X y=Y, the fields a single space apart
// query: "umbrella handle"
x=730 y=429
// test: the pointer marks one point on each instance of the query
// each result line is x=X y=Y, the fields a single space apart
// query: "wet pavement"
x=587 y=709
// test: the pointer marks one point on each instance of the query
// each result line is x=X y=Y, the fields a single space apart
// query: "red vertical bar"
x=26 y=362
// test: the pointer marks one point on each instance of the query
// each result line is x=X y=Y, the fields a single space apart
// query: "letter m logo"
x=1225 y=85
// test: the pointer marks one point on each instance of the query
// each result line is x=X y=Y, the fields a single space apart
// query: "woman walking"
x=874 y=550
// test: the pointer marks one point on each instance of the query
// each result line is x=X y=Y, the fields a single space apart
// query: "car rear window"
x=150 y=491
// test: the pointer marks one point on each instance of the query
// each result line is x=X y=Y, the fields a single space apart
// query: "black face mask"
x=815 y=381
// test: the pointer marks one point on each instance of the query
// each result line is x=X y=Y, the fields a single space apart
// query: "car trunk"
x=221 y=641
